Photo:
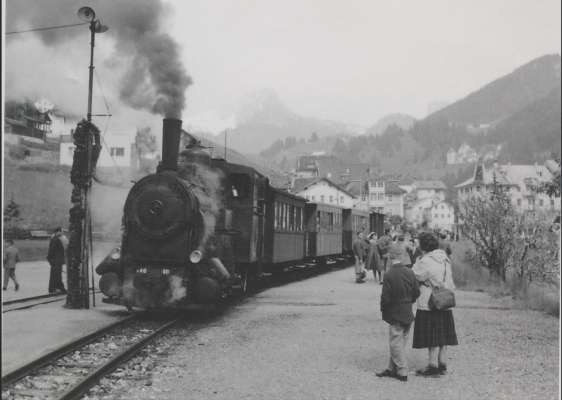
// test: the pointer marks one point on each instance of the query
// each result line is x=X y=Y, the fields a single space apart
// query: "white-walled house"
x=323 y=190
x=518 y=180
x=417 y=212
x=377 y=191
x=429 y=189
x=61 y=126
x=442 y=216
x=117 y=149
x=394 y=199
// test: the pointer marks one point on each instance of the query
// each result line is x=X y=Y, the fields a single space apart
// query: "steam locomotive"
x=199 y=228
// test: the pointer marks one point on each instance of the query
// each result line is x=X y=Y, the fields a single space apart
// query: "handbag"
x=441 y=298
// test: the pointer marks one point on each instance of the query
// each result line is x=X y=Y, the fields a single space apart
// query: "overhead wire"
x=102 y=136
x=48 y=28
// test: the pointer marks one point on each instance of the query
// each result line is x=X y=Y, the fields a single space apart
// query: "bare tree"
x=535 y=255
x=490 y=222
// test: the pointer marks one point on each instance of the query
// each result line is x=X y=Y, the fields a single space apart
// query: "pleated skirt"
x=434 y=329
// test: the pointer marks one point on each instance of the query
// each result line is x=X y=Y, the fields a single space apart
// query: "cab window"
x=240 y=185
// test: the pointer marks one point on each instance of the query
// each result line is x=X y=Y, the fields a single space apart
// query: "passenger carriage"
x=284 y=230
x=354 y=220
x=323 y=237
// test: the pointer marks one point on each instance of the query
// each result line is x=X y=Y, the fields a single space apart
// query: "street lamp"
x=78 y=293
x=87 y=14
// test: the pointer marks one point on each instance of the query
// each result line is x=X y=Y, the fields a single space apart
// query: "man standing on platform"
x=359 y=246
x=383 y=245
x=399 y=292
x=11 y=258
x=56 y=258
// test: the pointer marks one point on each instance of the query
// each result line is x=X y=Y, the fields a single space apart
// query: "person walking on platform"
x=11 y=258
x=399 y=292
x=359 y=253
x=408 y=250
x=56 y=258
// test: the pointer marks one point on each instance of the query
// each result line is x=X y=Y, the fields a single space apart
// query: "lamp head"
x=86 y=14
x=99 y=27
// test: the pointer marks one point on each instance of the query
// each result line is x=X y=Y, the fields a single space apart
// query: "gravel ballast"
x=323 y=338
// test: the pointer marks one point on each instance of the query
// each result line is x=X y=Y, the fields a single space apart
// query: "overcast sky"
x=352 y=61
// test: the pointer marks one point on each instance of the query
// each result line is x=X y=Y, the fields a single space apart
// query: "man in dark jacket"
x=383 y=243
x=400 y=290
x=56 y=258
x=359 y=247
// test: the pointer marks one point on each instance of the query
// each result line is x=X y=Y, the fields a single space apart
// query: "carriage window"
x=330 y=222
x=291 y=218
x=299 y=219
x=240 y=185
x=317 y=221
x=276 y=219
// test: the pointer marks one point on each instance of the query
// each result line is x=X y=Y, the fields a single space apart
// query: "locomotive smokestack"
x=171 y=133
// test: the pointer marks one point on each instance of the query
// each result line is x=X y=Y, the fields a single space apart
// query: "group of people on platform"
x=56 y=257
x=408 y=267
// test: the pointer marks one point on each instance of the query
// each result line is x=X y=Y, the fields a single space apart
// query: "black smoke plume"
x=155 y=79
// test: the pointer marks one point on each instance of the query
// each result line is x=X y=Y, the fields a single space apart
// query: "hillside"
x=506 y=95
x=525 y=109
x=403 y=121
x=22 y=183
x=533 y=132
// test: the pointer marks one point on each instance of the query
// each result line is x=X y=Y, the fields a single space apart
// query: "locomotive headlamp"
x=165 y=271
x=142 y=270
x=195 y=256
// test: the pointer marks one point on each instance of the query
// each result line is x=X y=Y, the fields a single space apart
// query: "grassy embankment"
x=43 y=195
x=468 y=276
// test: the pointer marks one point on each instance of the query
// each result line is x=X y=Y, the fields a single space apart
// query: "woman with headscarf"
x=373 y=257
x=433 y=329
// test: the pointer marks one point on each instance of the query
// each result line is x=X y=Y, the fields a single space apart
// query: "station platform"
x=30 y=333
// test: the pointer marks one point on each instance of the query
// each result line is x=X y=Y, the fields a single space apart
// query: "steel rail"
x=82 y=387
x=26 y=299
x=51 y=296
x=42 y=361
x=31 y=305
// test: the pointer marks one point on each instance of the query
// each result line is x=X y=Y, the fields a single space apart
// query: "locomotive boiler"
x=167 y=256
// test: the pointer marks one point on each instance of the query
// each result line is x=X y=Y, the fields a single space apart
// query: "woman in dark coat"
x=433 y=329
x=374 y=262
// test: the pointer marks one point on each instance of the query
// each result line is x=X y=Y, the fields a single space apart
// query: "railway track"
x=29 y=302
x=70 y=371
